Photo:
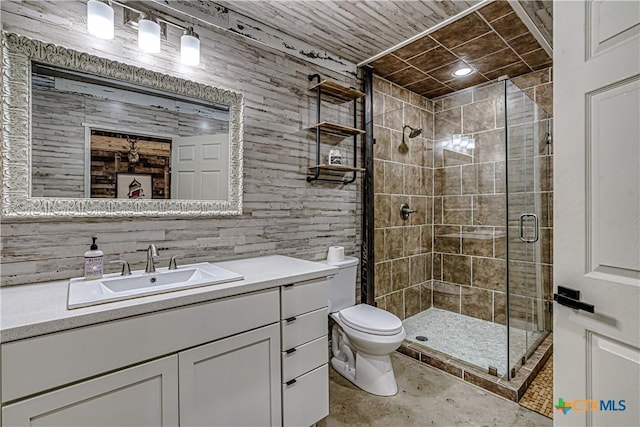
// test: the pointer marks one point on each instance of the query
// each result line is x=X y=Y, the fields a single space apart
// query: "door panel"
x=145 y=395
x=597 y=244
x=200 y=167
x=610 y=366
x=232 y=382
x=614 y=114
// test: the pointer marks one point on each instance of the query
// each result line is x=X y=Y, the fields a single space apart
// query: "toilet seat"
x=372 y=320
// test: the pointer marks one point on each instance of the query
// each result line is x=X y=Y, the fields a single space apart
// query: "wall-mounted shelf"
x=342 y=94
x=336 y=129
x=338 y=91
x=336 y=168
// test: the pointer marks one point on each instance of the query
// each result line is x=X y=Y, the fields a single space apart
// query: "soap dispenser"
x=93 y=262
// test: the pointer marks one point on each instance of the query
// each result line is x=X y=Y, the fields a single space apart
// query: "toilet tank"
x=342 y=287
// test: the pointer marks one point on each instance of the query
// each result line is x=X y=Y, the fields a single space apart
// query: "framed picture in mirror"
x=134 y=186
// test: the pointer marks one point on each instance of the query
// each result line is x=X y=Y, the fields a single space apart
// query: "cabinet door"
x=232 y=382
x=144 y=395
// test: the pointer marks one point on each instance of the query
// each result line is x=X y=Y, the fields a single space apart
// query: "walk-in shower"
x=470 y=272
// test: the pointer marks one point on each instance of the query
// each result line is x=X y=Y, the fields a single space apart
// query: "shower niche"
x=334 y=133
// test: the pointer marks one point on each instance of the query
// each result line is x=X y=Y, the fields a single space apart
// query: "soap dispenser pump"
x=93 y=262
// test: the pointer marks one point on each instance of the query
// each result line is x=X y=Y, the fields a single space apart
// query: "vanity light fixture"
x=190 y=47
x=151 y=28
x=149 y=35
x=100 y=19
x=461 y=72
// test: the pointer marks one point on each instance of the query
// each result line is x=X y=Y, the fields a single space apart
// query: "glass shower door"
x=529 y=217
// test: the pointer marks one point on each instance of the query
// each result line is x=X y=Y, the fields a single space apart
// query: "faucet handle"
x=126 y=270
x=173 y=265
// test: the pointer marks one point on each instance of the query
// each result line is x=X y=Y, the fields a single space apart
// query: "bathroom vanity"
x=250 y=352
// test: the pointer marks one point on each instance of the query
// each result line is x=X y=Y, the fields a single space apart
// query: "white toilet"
x=363 y=336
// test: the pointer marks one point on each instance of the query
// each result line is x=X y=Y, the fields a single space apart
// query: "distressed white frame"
x=18 y=52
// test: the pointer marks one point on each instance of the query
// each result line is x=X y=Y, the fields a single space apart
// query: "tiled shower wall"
x=469 y=258
x=402 y=247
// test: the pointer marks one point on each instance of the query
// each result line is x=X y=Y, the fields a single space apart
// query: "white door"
x=200 y=167
x=597 y=201
x=232 y=382
x=145 y=395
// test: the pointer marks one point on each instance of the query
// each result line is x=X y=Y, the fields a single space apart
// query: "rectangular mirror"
x=104 y=138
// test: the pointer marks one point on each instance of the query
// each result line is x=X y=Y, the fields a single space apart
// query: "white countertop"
x=32 y=310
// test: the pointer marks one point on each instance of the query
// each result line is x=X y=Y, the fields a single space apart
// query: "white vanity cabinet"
x=251 y=353
x=146 y=370
x=305 y=373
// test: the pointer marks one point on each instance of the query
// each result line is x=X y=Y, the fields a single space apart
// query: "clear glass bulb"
x=456 y=139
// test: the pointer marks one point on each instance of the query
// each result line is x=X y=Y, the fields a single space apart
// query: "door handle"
x=571 y=298
x=536 y=229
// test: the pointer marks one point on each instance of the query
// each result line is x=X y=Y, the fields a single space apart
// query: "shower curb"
x=512 y=390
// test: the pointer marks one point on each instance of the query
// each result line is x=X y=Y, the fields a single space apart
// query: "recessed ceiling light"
x=462 y=72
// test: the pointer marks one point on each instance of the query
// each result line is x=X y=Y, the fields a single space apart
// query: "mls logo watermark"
x=583 y=405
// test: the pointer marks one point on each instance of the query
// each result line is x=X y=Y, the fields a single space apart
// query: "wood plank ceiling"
x=493 y=41
x=354 y=30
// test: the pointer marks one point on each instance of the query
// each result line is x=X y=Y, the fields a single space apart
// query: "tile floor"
x=472 y=340
x=539 y=395
x=426 y=397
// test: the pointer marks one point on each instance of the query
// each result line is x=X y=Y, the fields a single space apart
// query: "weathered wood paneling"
x=355 y=30
x=283 y=214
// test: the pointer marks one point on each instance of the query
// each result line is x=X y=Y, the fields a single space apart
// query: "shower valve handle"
x=405 y=211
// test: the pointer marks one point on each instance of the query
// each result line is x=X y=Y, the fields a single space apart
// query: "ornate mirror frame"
x=18 y=52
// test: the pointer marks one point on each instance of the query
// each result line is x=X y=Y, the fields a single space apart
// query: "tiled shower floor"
x=472 y=340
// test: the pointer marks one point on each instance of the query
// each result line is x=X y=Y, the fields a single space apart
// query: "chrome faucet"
x=152 y=251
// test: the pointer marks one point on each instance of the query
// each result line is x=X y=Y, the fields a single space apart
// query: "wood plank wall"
x=283 y=214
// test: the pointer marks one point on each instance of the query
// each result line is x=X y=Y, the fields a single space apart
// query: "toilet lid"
x=372 y=320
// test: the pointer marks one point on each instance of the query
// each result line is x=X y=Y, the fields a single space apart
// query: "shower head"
x=403 y=148
x=414 y=131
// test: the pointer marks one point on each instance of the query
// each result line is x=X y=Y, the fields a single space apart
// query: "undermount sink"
x=114 y=287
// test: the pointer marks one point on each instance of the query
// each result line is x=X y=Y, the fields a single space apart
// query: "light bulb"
x=190 y=48
x=460 y=72
x=464 y=141
x=471 y=145
x=456 y=139
x=148 y=36
x=100 y=19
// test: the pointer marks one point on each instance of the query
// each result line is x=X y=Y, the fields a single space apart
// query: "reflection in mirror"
x=108 y=139
x=96 y=137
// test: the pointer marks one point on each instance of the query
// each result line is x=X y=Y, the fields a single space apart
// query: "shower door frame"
x=530 y=349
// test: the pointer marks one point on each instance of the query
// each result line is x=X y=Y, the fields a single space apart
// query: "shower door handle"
x=536 y=229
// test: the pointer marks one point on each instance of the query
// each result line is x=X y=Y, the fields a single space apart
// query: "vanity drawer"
x=304 y=358
x=303 y=297
x=306 y=401
x=301 y=329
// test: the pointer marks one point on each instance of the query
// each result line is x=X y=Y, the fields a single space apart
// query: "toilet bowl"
x=363 y=336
